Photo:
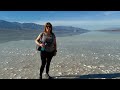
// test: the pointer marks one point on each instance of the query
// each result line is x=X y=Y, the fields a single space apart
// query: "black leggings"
x=46 y=58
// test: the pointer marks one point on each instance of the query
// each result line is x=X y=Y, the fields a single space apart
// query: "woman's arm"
x=37 y=39
x=55 y=44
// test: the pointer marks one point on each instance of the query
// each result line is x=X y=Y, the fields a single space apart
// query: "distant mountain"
x=11 y=31
x=19 y=26
x=5 y=25
x=31 y=26
x=63 y=30
x=110 y=30
x=9 y=25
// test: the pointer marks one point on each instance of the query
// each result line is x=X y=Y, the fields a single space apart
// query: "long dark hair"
x=48 y=24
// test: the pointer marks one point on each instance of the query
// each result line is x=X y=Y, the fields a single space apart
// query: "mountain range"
x=112 y=29
x=6 y=25
x=29 y=31
x=19 y=26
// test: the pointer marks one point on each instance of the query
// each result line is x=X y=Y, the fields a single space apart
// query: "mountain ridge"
x=30 y=26
x=14 y=31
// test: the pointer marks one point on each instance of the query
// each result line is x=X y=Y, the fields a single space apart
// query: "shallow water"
x=88 y=55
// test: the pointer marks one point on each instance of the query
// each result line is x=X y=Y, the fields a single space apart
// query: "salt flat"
x=93 y=55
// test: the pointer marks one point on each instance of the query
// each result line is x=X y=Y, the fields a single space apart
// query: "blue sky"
x=92 y=20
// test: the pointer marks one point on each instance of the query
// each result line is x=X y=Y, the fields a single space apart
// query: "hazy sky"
x=85 y=19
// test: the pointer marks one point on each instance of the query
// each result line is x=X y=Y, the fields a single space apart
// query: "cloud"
x=81 y=22
x=107 y=13
x=86 y=24
x=7 y=18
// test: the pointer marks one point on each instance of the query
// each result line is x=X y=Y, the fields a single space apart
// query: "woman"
x=48 y=48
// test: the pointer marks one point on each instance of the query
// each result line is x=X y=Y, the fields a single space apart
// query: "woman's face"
x=48 y=28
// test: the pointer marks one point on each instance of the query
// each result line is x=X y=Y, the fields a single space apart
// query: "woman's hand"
x=55 y=52
x=42 y=45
